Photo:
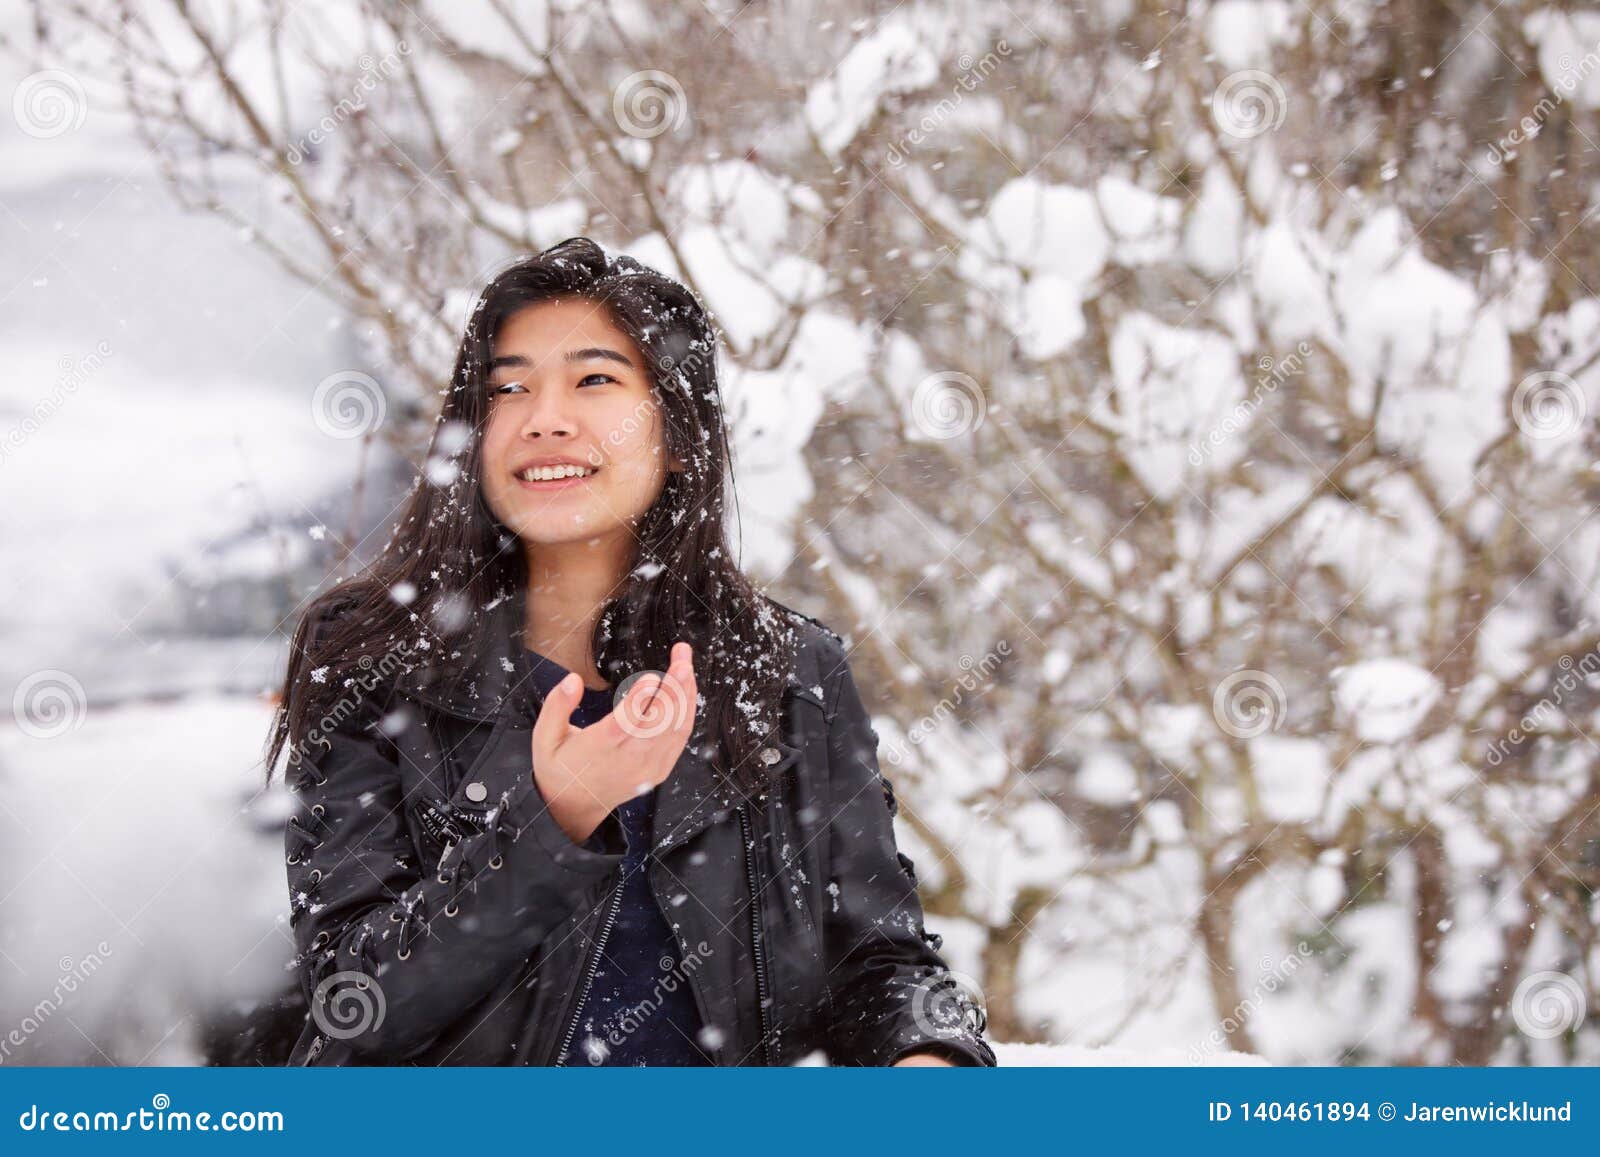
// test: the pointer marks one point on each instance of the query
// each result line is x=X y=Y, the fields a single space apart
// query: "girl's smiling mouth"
x=562 y=475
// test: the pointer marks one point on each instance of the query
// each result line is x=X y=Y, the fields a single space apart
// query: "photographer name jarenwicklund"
x=1493 y=1111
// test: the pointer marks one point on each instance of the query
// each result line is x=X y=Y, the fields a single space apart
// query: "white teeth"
x=552 y=473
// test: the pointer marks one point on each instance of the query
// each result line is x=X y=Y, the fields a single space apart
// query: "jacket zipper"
x=589 y=974
x=757 y=948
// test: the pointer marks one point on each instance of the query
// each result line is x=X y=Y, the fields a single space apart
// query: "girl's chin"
x=553 y=528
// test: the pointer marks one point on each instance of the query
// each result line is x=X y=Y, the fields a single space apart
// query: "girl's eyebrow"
x=519 y=361
x=593 y=352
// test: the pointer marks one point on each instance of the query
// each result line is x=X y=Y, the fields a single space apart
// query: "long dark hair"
x=454 y=560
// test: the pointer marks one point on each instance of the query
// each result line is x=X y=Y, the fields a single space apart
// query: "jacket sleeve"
x=390 y=957
x=893 y=993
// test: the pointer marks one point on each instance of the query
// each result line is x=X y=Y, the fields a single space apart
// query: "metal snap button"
x=770 y=755
x=477 y=792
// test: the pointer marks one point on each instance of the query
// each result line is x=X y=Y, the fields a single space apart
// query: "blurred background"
x=1184 y=410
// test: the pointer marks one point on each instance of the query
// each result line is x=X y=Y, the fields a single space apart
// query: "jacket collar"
x=497 y=680
x=503 y=681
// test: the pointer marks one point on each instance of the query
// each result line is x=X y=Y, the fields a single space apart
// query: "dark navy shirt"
x=639 y=1009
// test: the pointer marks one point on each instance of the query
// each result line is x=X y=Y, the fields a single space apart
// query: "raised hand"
x=585 y=772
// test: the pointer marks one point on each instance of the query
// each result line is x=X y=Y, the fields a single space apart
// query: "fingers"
x=660 y=704
x=637 y=745
x=674 y=700
x=681 y=671
x=643 y=711
x=681 y=663
x=554 y=722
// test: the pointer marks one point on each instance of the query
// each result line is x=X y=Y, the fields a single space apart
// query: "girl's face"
x=566 y=385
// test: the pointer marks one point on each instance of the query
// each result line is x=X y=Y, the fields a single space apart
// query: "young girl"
x=568 y=789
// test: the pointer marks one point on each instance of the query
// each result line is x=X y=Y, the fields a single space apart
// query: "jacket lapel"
x=690 y=799
x=694 y=797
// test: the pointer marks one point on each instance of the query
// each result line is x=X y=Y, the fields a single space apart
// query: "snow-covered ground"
x=141 y=860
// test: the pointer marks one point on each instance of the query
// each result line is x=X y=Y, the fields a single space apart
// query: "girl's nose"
x=549 y=414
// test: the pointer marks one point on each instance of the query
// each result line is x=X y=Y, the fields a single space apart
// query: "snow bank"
x=135 y=839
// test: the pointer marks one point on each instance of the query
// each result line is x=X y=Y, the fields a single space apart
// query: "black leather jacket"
x=441 y=915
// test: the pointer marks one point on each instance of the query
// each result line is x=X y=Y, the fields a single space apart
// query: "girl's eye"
x=519 y=388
